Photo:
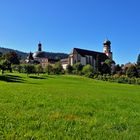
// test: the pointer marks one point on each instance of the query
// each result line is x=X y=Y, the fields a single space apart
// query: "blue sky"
x=64 y=24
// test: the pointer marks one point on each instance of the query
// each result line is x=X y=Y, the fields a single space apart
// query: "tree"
x=77 y=68
x=132 y=71
x=39 y=69
x=138 y=60
x=138 y=70
x=5 y=65
x=17 y=68
x=29 y=68
x=69 y=69
x=111 y=65
x=49 y=69
x=0 y=54
x=12 y=57
x=116 y=69
x=58 y=68
x=105 y=69
x=108 y=62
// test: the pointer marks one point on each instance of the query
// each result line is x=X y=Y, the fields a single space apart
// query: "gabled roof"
x=84 y=52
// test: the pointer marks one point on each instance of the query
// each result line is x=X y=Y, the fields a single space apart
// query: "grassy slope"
x=68 y=107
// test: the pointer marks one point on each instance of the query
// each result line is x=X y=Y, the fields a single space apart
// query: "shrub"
x=77 y=68
x=132 y=71
x=119 y=79
x=88 y=71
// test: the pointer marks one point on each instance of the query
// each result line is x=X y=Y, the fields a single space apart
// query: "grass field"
x=67 y=107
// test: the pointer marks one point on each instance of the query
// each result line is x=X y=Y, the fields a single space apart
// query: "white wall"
x=71 y=61
x=64 y=66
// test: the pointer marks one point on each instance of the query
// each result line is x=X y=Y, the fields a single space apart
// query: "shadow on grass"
x=37 y=77
x=11 y=78
x=20 y=79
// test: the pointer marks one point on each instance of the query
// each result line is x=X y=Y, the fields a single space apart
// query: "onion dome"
x=39 y=47
x=107 y=42
x=40 y=54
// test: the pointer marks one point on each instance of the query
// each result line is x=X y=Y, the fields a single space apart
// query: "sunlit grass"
x=68 y=107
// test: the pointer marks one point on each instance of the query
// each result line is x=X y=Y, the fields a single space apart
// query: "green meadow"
x=67 y=107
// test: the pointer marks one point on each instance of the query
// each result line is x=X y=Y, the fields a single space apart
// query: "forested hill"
x=23 y=55
x=56 y=55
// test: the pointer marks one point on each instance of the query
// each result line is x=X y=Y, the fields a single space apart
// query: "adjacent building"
x=40 y=57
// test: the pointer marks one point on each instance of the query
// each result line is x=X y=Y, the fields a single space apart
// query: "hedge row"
x=118 y=79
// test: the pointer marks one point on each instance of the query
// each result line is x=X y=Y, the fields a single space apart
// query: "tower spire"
x=39 y=46
x=107 y=48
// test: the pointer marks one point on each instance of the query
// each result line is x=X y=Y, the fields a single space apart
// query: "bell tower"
x=107 y=48
x=39 y=47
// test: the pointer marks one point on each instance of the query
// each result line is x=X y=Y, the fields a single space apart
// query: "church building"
x=82 y=56
x=89 y=57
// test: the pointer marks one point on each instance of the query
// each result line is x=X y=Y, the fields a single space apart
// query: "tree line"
x=109 y=71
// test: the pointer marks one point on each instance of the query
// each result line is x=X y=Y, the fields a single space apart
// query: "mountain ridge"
x=23 y=55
